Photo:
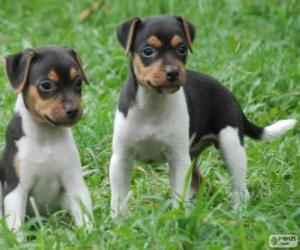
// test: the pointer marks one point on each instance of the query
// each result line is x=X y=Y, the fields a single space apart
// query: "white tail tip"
x=278 y=129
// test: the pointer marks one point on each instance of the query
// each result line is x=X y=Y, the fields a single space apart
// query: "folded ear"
x=188 y=31
x=126 y=32
x=76 y=57
x=17 y=68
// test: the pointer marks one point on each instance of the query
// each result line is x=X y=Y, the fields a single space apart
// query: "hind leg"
x=197 y=180
x=234 y=156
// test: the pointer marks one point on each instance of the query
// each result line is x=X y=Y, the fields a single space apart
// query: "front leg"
x=15 y=207
x=119 y=176
x=77 y=200
x=179 y=166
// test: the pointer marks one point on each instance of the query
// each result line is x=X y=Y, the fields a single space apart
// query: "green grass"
x=251 y=46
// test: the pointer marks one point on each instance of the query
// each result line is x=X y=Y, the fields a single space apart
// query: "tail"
x=269 y=132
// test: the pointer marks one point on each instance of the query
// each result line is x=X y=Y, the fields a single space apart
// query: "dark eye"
x=78 y=83
x=46 y=87
x=182 y=50
x=148 y=51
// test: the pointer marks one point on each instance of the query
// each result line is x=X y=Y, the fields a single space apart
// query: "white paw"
x=240 y=198
x=20 y=236
x=85 y=222
x=119 y=212
x=119 y=207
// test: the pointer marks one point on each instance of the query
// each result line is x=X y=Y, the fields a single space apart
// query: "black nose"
x=72 y=113
x=172 y=74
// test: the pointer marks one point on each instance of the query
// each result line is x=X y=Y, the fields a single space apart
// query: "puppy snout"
x=72 y=113
x=72 y=110
x=172 y=74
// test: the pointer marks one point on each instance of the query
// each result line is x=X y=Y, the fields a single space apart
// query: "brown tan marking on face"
x=176 y=40
x=155 y=75
x=50 y=108
x=17 y=165
x=73 y=73
x=154 y=41
x=150 y=75
x=53 y=76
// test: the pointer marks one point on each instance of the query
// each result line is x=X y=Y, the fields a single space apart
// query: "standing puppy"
x=169 y=114
x=40 y=158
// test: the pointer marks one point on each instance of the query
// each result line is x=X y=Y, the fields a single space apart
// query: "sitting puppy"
x=169 y=114
x=40 y=158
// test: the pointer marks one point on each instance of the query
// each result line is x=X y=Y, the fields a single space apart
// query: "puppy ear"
x=77 y=58
x=17 y=68
x=188 y=31
x=126 y=32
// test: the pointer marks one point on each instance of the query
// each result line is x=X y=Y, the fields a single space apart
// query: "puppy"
x=40 y=158
x=169 y=114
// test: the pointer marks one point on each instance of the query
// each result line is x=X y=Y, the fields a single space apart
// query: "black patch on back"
x=7 y=169
x=128 y=93
x=211 y=106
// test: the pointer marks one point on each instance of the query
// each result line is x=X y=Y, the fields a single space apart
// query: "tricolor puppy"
x=40 y=158
x=169 y=114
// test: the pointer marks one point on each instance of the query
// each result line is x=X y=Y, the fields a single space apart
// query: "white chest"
x=154 y=126
x=45 y=158
x=42 y=165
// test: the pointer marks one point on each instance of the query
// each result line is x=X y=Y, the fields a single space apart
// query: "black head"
x=158 y=46
x=50 y=80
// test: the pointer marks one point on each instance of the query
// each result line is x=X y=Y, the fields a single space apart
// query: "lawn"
x=251 y=46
